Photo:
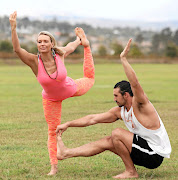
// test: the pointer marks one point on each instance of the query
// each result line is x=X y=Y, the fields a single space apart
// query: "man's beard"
x=119 y=104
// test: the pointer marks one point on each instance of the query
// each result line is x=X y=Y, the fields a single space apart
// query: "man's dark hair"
x=124 y=87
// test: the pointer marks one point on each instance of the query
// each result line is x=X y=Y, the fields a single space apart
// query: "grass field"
x=23 y=130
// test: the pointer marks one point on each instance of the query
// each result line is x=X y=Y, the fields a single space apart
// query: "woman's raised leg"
x=85 y=83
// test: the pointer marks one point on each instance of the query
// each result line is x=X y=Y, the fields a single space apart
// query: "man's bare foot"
x=81 y=34
x=61 y=149
x=53 y=170
x=126 y=175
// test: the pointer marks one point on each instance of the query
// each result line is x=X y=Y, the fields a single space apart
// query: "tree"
x=102 y=51
x=24 y=46
x=135 y=51
x=33 y=49
x=6 y=46
x=175 y=38
x=139 y=38
x=117 y=48
x=171 y=50
x=155 y=43
x=166 y=36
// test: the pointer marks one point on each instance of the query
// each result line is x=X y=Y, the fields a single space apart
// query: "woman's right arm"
x=25 y=56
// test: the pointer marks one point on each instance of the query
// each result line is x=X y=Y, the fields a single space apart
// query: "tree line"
x=105 y=41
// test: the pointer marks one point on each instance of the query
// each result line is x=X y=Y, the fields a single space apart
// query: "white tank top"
x=158 y=139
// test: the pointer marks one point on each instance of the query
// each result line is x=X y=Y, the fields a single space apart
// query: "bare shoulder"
x=147 y=115
x=116 y=111
x=32 y=60
x=34 y=57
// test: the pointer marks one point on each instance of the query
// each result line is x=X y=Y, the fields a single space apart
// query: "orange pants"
x=52 y=109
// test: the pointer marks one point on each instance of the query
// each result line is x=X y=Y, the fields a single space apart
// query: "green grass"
x=23 y=130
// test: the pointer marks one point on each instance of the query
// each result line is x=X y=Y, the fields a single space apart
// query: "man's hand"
x=12 y=20
x=126 y=50
x=61 y=128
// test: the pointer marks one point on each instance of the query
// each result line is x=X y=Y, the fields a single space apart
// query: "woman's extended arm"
x=25 y=56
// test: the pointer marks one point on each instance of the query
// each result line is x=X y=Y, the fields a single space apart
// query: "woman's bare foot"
x=61 y=149
x=53 y=170
x=126 y=174
x=81 y=34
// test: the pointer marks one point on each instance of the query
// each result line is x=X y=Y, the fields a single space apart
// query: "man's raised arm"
x=138 y=92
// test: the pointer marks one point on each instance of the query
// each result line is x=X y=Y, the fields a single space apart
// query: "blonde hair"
x=57 y=49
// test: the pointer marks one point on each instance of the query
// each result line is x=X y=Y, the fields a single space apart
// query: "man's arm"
x=138 y=92
x=107 y=117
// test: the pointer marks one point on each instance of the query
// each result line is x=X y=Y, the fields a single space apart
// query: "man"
x=145 y=144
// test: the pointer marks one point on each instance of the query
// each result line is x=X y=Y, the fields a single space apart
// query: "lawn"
x=23 y=130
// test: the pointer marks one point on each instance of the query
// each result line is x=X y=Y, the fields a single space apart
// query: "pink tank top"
x=56 y=89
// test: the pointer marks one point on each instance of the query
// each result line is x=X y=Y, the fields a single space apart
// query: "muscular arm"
x=70 y=47
x=107 y=117
x=143 y=109
x=138 y=92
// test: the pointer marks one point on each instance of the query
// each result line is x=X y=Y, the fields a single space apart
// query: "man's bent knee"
x=124 y=136
x=117 y=133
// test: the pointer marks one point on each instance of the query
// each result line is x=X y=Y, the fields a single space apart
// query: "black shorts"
x=143 y=155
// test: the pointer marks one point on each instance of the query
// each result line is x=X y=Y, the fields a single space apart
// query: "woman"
x=51 y=73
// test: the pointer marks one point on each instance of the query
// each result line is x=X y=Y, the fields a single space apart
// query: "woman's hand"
x=12 y=20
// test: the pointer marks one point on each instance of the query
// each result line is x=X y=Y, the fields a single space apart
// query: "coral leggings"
x=52 y=109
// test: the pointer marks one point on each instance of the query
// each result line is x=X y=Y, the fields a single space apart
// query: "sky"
x=147 y=10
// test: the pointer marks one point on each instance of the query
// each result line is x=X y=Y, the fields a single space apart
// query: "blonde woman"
x=49 y=69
